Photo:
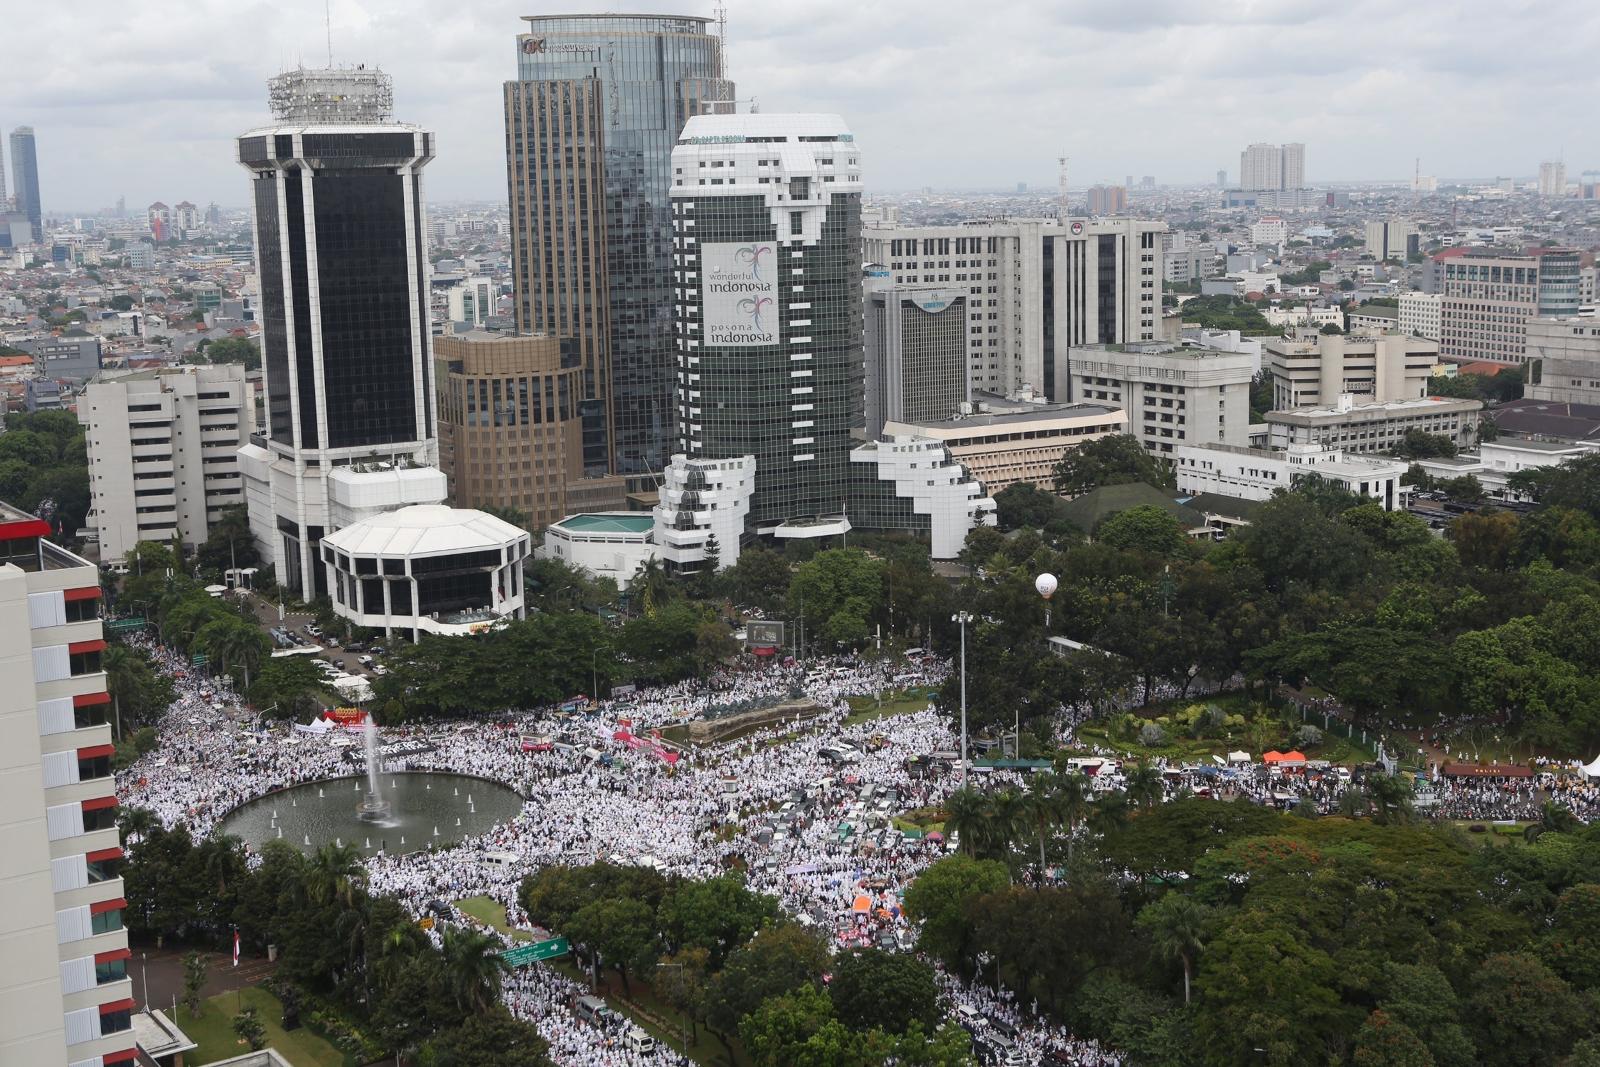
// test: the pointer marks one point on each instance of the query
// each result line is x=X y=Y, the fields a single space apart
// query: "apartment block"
x=1308 y=373
x=1419 y=314
x=65 y=998
x=163 y=452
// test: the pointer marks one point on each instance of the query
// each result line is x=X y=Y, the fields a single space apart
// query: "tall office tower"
x=339 y=224
x=1222 y=179
x=766 y=259
x=1036 y=287
x=25 y=178
x=1487 y=298
x=916 y=351
x=598 y=102
x=1553 y=178
x=64 y=989
x=163 y=453
x=1392 y=239
x=5 y=201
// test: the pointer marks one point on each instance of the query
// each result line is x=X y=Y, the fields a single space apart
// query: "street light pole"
x=963 y=617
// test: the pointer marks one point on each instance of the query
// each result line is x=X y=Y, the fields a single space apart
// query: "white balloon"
x=1045 y=584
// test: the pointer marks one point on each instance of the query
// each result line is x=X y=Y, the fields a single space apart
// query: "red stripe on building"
x=107 y=905
x=16 y=531
x=96 y=750
x=116 y=1005
x=88 y=593
x=99 y=802
x=112 y=1059
x=89 y=700
x=78 y=647
x=113 y=956
x=101 y=854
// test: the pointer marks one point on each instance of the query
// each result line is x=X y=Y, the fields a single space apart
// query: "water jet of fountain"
x=373 y=808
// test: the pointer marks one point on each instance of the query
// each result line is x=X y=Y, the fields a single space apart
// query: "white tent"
x=1238 y=757
x=318 y=725
x=1592 y=770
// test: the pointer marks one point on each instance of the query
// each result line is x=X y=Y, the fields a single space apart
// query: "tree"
x=1522 y=1013
x=1176 y=926
x=1023 y=505
x=291 y=686
x=1384 y=1042
x=1419 y=996
x=335 y=872
x=1419 y=444
x=873 y=989
x=489 y=1039
x=228 y=543
x=194 y=979
x=1116 y=459
x=621 y=930
x=1574 y=484
x=234 y=350
x=716 y=914
x=760 y=578
x=473 y=968
x=837 y=592
x=778 y=960
x=251 y=1030
x=940 y=898
x=1146 y=529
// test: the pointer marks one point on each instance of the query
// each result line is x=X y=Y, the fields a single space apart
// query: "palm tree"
x=136 y=823
x=1176 y=926
x=1072 y=795
x=335 y=873
x=398 y=947
x=1044 y=808
x=967 y=816
x=474 y=968
x=1008 y=819
x=1352 y=802
x=1391 y=799
x=1145 y=787
x=1556 y=818
x=1109 y=814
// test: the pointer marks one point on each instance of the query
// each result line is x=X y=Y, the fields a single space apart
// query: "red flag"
x=236 y=948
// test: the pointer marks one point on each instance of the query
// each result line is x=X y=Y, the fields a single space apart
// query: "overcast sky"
x=143 y=99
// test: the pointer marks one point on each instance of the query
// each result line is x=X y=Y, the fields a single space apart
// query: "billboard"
x=739 y=294
x=764 y=634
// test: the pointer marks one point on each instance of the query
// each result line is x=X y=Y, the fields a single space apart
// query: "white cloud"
x=145 y=99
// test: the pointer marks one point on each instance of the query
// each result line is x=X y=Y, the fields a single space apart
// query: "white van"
x=639 y=1041
x=505 y=861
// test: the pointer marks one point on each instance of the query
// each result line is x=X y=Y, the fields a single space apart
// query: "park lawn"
x=902 y=702
x=491 y=913
x=213 y=1032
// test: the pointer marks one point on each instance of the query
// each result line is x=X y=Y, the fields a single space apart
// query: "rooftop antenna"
x=327 y=24
x=1062 y=160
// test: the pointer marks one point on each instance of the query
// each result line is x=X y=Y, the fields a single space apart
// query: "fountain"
x=373 y=807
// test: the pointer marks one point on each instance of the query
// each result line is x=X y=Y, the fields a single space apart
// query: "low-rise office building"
x=1174 y=394
x=427 y=568
x=606 y=545
x=1354 y=427
x=1257 y=473
x=1419 y=314
x=1487 y=298
x=1314 y=371
x=1368 y=320
x=163 y=452
x=1005 y=443
x=1495 y=461
x=1563 y=360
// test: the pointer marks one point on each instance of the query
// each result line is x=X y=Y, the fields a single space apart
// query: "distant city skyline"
x=1166 y=89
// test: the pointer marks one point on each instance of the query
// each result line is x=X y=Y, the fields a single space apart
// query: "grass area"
x=491 y=913
x=213 y=1032
x=1492 y=835
x=707 y=1050
x=925 y=819
x=884 y=705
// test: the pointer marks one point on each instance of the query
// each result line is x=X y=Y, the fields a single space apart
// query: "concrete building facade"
x=1036 y=287
x=1392 y=239
x=1257 y=473
x=163 y=451
x=1272 y=167
x=1487 y=298
x=1349 y=426
x=1173 y=394
x=510 y=422
x=1004 y=444
x=1313 y=372
x=1419 y=314
x=65 y=996
x=916 y=352
x=1563 y=360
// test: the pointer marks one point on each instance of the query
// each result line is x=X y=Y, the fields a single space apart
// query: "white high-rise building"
x=1390 y=239
x=1419 y=314
x=163 y=452
x=1035 y=288
x=1271 y=166
x=471 y=300
x=1552 y=178
x=339 y=223
x=65 y=997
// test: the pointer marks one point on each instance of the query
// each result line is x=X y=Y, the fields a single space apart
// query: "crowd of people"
x=805 y=806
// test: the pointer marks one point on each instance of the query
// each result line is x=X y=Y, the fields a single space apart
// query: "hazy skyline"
x=145 y=101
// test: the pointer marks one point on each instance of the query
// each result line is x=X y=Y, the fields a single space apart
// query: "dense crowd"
x=805 y=807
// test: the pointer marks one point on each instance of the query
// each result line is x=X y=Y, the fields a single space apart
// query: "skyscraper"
x=1552 y=178
x=343 y=262
x=5 y=201
x=1271 y=166
x=598 y=102
x=768 y=320
x=25 y=177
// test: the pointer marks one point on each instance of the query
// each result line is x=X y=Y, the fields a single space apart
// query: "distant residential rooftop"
x=615 y=522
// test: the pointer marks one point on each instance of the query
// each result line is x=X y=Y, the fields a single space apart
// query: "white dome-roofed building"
x=427 y=569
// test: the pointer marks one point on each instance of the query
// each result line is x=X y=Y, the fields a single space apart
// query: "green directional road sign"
x=523 y=955
x=122 y=626
x=199 y=660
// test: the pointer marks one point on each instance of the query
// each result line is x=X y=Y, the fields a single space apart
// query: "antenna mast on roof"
x=1062 y=160
x=327 y=24
x=721 y=12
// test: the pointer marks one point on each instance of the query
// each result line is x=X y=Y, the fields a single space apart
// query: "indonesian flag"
x=236 y=948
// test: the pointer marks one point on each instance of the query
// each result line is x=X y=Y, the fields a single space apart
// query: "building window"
x=106 y=922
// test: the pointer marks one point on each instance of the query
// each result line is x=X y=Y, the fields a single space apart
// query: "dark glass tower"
x=25 y=176
x=342 y=257
x=598 y=103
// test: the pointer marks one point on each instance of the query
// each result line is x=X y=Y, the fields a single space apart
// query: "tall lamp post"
x=963 y=617
x=1045 y=585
